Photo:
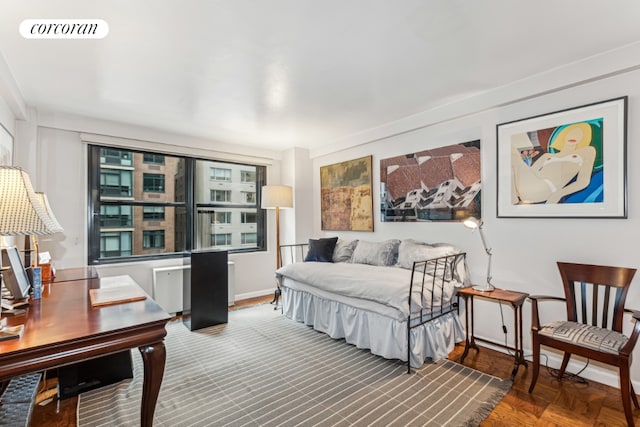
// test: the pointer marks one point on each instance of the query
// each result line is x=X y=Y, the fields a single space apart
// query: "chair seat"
x=600 y=339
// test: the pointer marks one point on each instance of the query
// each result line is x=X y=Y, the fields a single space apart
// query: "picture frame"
x=436 y=184
x=570 y=163
x=346 y=195
x=15 y=277
x=6 y=147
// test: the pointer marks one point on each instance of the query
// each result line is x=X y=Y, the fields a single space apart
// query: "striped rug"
x=262 y=369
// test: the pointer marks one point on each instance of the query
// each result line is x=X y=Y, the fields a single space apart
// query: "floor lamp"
x=277 y=197
x=474 y=223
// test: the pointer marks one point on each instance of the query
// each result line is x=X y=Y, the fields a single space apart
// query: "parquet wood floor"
x=553 y=403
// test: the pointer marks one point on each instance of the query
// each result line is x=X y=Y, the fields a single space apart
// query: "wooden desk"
x=62 y=328
x=79 y=273
x=516 y=299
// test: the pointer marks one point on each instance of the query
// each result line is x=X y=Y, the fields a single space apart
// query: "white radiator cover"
x=167 y=286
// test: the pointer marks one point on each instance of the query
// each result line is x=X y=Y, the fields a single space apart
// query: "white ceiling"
x=306 y=73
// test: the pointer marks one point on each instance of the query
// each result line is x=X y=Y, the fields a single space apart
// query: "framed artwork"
x=346 y=201
x=439 y=184
x=566 y=164
x=6 y=147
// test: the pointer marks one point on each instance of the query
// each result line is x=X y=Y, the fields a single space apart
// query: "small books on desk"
x=116 y=290
x=10 y=304
x=10 y=332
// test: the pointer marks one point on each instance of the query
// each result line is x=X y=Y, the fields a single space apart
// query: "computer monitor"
x=15 y=277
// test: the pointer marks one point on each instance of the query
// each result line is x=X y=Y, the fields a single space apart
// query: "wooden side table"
x=516 y=299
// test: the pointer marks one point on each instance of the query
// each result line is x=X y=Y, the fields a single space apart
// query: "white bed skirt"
x=380 y=334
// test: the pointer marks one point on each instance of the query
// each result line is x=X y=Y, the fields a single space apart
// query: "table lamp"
x=474 y=223
x=21 y=213
x=30 y=242
x=277 y=197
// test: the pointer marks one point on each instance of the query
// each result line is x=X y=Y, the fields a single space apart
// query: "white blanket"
x=388 y=286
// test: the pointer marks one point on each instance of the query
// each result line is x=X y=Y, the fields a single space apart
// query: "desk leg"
x=153 y=357
x=468 y=314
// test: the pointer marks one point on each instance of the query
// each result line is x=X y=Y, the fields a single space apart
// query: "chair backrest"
x=596 y=294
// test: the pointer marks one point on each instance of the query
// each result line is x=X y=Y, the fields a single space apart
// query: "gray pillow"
x=376 y=253
x=344 y=250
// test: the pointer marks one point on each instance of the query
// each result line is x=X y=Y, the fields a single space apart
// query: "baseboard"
x=255 y=294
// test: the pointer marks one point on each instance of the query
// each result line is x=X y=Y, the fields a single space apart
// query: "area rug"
x=262 y=369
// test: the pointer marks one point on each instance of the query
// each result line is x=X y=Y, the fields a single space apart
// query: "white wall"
x=525 y=250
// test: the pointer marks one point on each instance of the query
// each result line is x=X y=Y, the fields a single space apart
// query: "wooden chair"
x=595 y=297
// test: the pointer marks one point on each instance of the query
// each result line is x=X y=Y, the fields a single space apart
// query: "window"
x=116 y=183
x=220 y=174
x=248 y=217
x=235 y=206
x=248 y=176
x=153 y=239
x=153 y=213
x=248 y=197
x=115 y=157
x=220 y=195
x=221 y=239
x=154 y=159
x=221 y=218
x=190 y=210
x=153 y=182
x=248 y=238
x=116 y=216
x=115 y=244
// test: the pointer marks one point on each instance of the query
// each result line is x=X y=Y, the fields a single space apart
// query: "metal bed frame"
x=420 y=276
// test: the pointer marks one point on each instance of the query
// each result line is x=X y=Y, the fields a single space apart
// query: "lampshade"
x=21 y=213
x=277 y=196
x=472 y=223
x=47 y=207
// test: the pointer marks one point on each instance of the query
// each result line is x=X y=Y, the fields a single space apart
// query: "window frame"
x=189 y=206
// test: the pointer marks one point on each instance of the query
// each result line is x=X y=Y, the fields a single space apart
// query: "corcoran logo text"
x=64 y=28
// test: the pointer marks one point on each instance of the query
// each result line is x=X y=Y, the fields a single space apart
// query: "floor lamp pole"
x=278 y=261
x=278 y=291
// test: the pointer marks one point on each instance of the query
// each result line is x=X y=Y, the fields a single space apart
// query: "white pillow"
x=410 y=251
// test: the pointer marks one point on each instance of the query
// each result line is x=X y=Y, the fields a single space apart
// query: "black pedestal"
x=94 y=373
x=205 y=295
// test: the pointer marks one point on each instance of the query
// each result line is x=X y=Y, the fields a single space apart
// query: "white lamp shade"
x=47 y=207
x=277 y=196
x=472 y=223
x=21 y=212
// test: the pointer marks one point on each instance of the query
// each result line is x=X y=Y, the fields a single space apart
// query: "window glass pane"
x=153 y=239
x=154 y=159
x=139 y=205
x=153 y=182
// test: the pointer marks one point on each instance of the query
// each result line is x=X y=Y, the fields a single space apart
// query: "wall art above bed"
x=346 y=200
x=569 y=163
x=439 y=184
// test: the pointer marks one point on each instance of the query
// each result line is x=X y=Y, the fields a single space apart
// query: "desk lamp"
x=277 y=197
x=474 y=223
x=30 y=242
x=21 y=213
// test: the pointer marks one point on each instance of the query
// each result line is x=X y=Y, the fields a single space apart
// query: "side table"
x=516 y=299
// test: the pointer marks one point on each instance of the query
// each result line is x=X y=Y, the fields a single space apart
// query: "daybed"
x=396 y=298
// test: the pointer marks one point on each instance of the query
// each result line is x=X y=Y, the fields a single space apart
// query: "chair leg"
x=536 y=362
x=563 y=366
x=633 y=396
x=625 y=390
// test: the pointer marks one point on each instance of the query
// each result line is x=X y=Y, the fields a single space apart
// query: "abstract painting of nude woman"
x=563 y=164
